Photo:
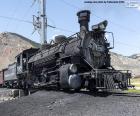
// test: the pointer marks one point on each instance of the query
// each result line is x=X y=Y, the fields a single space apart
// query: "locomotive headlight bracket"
x=73 y=68
x=112 y=37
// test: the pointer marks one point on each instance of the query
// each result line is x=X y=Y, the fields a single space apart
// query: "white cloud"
x=138 y=8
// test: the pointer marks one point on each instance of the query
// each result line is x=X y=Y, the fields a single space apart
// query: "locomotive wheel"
x=64 y=76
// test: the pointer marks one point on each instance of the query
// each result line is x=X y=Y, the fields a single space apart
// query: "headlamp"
x=100 y=27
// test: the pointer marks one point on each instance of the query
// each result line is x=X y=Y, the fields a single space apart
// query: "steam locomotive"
x=79 y=61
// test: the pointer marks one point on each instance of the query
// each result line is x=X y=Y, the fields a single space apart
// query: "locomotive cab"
x=22 y=59
x=23 y=67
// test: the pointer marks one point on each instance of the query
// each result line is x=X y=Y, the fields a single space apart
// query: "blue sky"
x=122 y=21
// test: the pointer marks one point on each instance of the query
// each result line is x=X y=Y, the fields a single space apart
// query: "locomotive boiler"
x=79 y=61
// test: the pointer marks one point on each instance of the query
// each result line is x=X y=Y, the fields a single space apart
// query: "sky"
x=123 y=21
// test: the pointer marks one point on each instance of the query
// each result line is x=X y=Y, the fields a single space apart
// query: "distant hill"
x=135 y=56
x=12 y=44
x=126 y=63
x=34 y=44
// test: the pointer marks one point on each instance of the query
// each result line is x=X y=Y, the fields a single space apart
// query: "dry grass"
x=133 y=91
x=135 y=80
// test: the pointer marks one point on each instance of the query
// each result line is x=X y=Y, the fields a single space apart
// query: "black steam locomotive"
x=79 y=61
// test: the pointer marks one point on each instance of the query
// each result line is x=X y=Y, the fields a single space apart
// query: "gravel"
x=57 y=103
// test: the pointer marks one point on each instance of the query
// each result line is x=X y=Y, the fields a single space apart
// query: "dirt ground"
x=57 y=103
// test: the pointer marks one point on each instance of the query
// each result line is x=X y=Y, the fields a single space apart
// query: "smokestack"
x=83 y=19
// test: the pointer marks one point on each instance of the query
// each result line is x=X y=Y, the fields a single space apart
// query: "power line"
x=69 y=4
x=116 y=24
x=13 y=14
x=57 y=28
x=61 y=29
x=15 y=19
x=25 y=21
x=126 y=28
x=125 y=44
x=121 y=26
x=26 y=13
x=20 y=20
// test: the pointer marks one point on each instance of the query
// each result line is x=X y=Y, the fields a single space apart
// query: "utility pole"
x=40 y=22
x=43 y=21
